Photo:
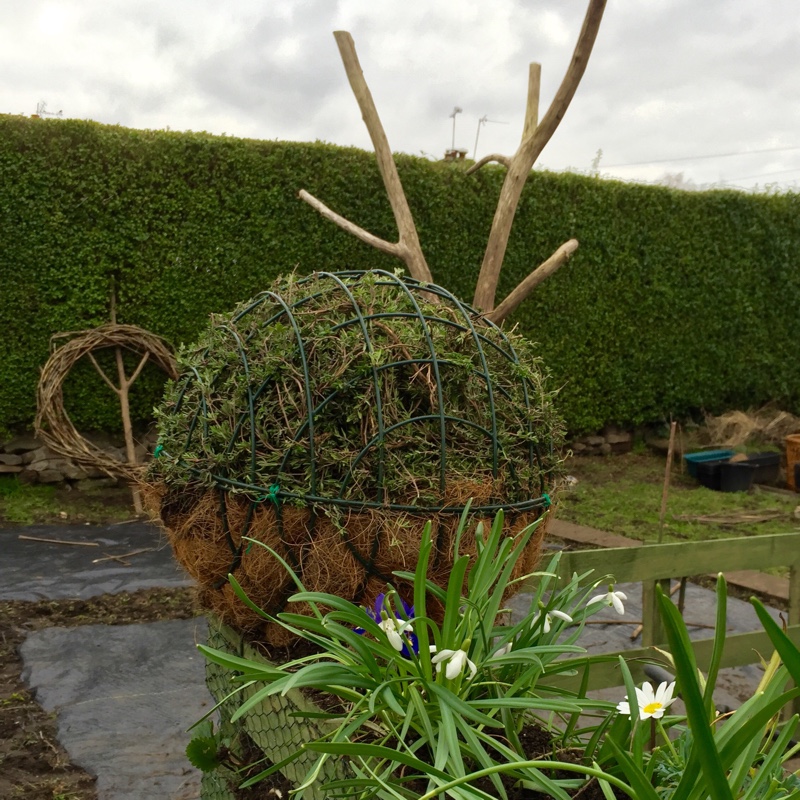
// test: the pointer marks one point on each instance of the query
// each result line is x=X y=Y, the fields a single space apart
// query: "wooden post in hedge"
x=535 y=136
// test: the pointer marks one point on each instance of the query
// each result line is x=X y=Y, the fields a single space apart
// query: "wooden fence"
x=656 y=564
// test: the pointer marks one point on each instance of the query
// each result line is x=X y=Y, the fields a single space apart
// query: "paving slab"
x=35 y=570
x=124 y=696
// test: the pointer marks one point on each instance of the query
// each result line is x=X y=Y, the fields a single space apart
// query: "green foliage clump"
x=360 y=388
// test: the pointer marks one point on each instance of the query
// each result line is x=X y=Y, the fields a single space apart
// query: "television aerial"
x=41 y=110
x=482 y=121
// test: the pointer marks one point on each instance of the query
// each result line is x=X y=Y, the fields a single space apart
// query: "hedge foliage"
x=674 y=302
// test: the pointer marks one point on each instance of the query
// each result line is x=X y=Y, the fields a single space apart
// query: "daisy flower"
x=651 y=703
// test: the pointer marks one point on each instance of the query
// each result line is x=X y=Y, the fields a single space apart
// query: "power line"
x=697 y=158
x=764 y=174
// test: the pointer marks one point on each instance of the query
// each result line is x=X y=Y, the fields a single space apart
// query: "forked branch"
x=407 y=247
x=544 y=270
x=534 y=138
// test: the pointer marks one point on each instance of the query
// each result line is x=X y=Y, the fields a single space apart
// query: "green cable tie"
x=272 y=494
x=547 y=501
x=159 y=449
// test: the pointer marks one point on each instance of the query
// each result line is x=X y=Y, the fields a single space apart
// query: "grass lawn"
x=622 y=494
x=27 y=504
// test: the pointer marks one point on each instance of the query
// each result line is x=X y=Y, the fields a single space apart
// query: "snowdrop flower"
x=548 y=618
x=456 y=661
x=611 y=598
x=393 y=628
x=504 y=650
x=651 y=704
x=399 y=632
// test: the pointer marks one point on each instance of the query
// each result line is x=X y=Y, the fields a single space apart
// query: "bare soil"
x=32 y=763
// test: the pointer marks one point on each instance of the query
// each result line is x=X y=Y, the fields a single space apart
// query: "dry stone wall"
x=611 y=440
x=33 y=462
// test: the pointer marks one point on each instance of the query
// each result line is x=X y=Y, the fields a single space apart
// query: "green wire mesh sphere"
x=362 y=399
x=359 y=389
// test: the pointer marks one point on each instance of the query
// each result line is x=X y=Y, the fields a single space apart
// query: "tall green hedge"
x=675 y=301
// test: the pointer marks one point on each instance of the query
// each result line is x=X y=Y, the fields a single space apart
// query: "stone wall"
x=29 y=458
x=611 y=440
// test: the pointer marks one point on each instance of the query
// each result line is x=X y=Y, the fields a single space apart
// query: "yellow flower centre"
x=651 y=708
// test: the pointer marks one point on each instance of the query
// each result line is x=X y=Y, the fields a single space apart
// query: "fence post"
x=652 y=629
x=793 y=613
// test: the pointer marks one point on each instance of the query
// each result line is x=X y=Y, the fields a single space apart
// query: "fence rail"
x=656 y=564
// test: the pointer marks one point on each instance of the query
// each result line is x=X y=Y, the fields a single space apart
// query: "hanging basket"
x=329 y=419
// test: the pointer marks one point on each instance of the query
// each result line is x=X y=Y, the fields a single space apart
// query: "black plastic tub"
x=767 y=466
x=708 y=473
x=737 y=477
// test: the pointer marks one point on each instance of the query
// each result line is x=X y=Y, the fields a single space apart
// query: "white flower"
x=548 y=618
x=611 y=598
x=456 y=661
x=651 y=704
x=504 y=650
x=393 y=628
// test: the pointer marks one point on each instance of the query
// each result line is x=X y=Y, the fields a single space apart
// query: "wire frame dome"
x=328 y=388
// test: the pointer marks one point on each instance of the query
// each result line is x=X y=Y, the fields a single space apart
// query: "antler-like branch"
x=544 y=270
x=534 y=138
x=500 y=159
x=407 y=247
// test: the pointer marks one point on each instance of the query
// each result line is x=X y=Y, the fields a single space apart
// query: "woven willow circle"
x=53 y=424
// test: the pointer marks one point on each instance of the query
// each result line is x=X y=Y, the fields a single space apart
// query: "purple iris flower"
x=398 y=631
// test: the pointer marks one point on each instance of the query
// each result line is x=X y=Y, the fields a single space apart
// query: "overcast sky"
x=670 y=82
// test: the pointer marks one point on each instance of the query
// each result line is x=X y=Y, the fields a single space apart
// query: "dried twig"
x=56 y=541
x=123 y=555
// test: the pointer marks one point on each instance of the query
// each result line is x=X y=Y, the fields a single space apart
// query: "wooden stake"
x=667 y=471
x=125 y=384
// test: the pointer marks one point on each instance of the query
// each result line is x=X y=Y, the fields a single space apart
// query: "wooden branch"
x=500 y=159
x=103 y=374
x=532 y=106
x=525 y=287
x=533 y=142
x=138 y=369
x=531 y=118
x=392 y=248
x=125 y=413
x=408 y=247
